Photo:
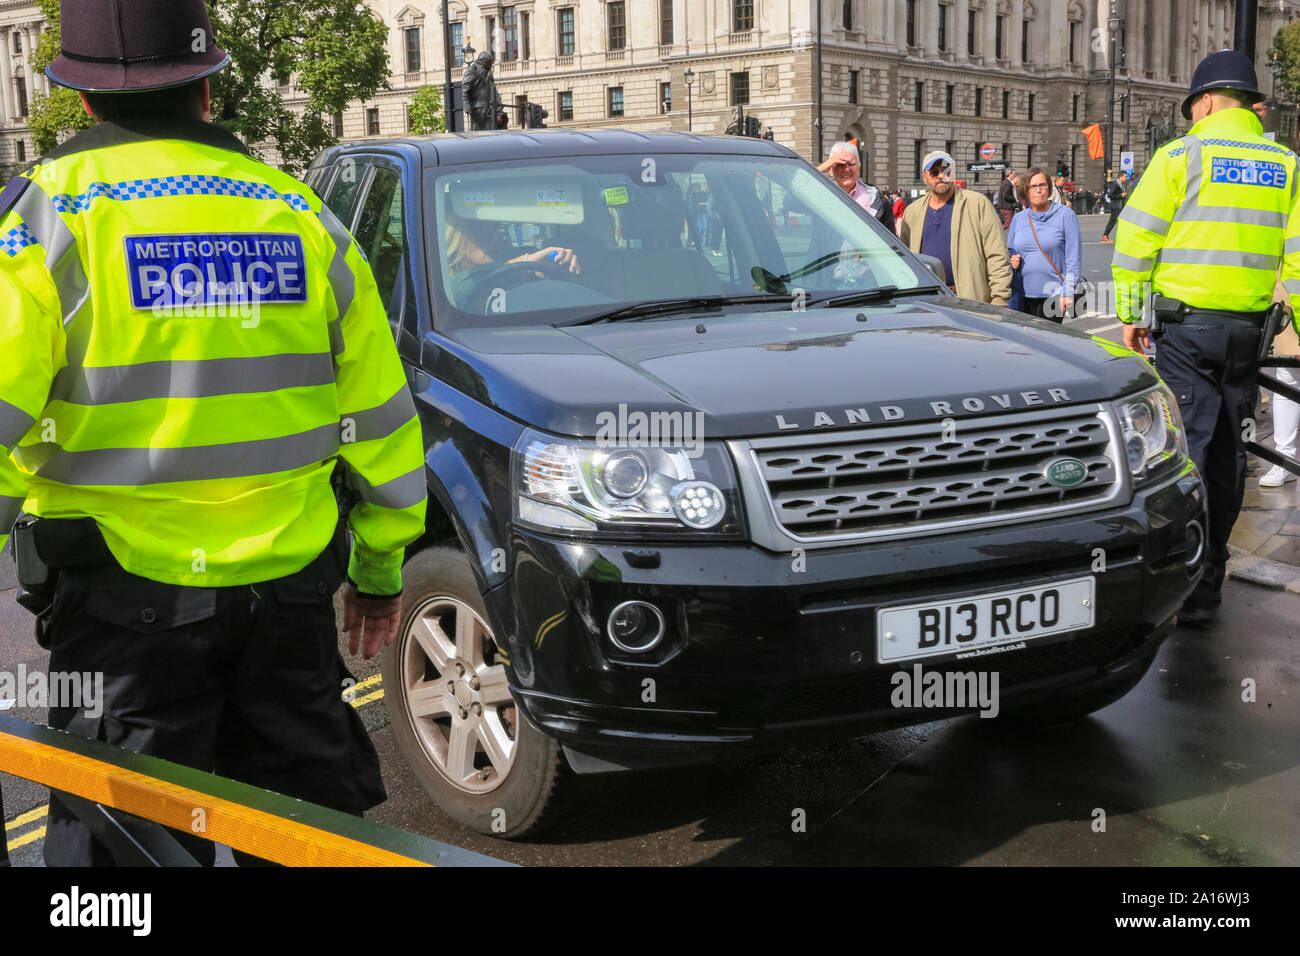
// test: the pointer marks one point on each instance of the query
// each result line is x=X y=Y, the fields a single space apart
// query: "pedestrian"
x=1116 y=193
x=1044 y=242
x=899 y=204
x=174 y=428
x=843 y=166
x=1207 y=245
x=960 y=228
x=1059 y=195
x=1286 y=413
x=1008 y=202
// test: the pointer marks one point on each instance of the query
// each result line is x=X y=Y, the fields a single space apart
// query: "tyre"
x=1068 y=706
x=467 y=743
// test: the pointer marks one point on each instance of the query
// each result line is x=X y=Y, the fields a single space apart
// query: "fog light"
x=1195 y=545
x=635 y=626
x=699 y=504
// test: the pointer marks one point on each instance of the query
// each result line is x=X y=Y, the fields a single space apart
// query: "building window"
x=1074 y=108
x=853 y=85
x=458 y=43
x=1024 y=41
x=739 y=89
x=510 y=34
x=947 y=99
x=916 y=151
x=919 y=105
x=1006 y=104
x=20 y=85
x=521 y=110
x=617 y=27
x=943 y=26
x=911 y=26
x=742 y=18
x=947 y=147
x=18 y=42
x=1074 y=42
x=1006 y=154
x=979 y=101
x=1029 y=155
x=1031 y=106
x=666 y=22
x=666 y=97
x=565 y=106
x=490 y=31
x=564 y=18
x=616 y=101
x=970 y=32
x=22 y=151
x=525 y=36
x=848 y=16
x=338 y=125
x=1074 y=158
x=412 y=50
x=372 y=121
x=999 y=30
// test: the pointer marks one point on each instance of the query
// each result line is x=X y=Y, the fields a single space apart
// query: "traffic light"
x=753 y=127
x=1060 y=167
x=536 y=116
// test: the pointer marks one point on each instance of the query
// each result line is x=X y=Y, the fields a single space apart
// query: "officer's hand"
x=378 y=618
x=1137 y=338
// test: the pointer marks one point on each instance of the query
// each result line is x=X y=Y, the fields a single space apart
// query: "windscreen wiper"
x=659 y=307
x=868 y=296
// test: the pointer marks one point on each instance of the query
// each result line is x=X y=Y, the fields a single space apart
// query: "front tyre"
x=465 y=740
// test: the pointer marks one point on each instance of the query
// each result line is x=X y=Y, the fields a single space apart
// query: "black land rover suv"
x=714 y=462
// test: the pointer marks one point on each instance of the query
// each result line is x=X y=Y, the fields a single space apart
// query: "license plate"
x=985 y=620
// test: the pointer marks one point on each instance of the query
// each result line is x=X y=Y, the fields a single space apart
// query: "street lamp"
x=1128 y=113
x=1112 y=24
x=447 y=123
x=690 y=80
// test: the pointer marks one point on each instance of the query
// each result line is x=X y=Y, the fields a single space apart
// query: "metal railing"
x=1269 y=383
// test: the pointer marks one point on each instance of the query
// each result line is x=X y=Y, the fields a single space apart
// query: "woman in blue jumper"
x=1046 y=248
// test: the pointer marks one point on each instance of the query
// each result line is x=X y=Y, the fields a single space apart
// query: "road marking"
x=1106 y=328
x=373 y=679
x=25 y=818
x=27 y=838
x=377 y=695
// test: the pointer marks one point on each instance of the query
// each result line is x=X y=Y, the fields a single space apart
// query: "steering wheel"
x=508 y=275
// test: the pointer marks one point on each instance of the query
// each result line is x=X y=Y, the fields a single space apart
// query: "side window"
x=381 y=234
x=343 y=191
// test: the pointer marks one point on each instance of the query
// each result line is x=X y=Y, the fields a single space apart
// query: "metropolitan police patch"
x=215 y=269
x=1249 y=172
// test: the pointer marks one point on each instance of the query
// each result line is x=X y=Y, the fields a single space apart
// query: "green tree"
x=335 y=51
x=426 y=111
x=1286 y=46
x=61 y=111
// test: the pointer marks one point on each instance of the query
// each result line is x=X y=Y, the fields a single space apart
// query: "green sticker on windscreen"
x=616 y=196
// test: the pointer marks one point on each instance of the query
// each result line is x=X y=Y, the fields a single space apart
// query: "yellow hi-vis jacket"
x=188 y=343
x=1211 y=221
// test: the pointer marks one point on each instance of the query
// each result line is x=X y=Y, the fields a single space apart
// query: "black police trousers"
x=245 y=682
x=1212 y=364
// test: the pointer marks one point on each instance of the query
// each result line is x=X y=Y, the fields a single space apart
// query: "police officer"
x=1200 y=243
x=191 y=344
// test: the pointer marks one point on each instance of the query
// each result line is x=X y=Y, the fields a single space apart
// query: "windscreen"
x=568 y=240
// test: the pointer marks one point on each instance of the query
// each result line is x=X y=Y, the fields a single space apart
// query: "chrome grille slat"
x=907 y=477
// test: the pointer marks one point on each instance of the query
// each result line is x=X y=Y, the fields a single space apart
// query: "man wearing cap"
x=193 y=344
x=962 y=230
x=1199 y=246
x=843 y=166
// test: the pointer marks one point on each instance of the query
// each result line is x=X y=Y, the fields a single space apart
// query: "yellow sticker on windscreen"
x=552 y=197
x=616 y=196
x=481 y=197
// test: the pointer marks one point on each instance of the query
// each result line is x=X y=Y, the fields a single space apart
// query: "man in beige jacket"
x=962 y=230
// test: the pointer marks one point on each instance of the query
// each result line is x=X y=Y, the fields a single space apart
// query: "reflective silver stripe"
x=1145 y=220
x=1292 y=286
x=151 y=466
x=1292 y=245
x=9 y=511
x=60 y=245
x=1191 y=197
x=1131 y=263
x=340 y=274
x=382 y=420
x=1245 y=217
x=14 y=424
x=1220 y=257
x=402 y=492
x=104 y=385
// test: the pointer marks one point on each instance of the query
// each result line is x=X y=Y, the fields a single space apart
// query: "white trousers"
x=1286 y=414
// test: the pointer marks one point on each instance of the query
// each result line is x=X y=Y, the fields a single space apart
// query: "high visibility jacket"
x=1211 y=221
x=189 y=343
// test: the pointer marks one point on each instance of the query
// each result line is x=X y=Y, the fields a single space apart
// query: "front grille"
x=897 y=480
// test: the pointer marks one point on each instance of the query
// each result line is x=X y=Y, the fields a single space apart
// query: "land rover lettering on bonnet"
x=695 y=493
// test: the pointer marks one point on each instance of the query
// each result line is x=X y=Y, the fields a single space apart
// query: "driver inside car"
x=472 y=244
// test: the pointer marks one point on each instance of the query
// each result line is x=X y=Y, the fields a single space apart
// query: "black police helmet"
x=1224 y=70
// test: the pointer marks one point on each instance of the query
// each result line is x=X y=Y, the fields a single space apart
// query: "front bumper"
x=764 y=650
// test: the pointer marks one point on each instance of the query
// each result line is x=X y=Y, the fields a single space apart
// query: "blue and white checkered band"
x=174 y=186
x=16 y=240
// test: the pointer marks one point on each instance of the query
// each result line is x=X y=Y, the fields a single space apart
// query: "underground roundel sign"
x=1065 y=472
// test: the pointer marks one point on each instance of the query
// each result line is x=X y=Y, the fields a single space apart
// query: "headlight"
x=565 y=484
x=1152 y=430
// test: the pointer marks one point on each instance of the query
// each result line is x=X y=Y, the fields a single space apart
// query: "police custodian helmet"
x=1224 y=70
x=112 y=46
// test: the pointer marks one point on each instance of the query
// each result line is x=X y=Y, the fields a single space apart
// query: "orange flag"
x=1096 y=148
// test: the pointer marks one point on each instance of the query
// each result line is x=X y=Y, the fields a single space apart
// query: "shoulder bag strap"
x=1034 y=233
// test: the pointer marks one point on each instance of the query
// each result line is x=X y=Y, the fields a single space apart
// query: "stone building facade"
x=901 y=76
